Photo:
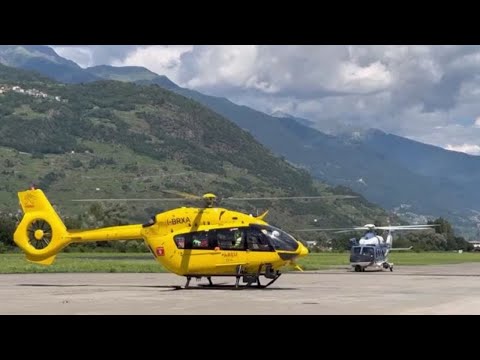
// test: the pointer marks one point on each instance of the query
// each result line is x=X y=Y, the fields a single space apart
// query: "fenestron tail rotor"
x=39 y=233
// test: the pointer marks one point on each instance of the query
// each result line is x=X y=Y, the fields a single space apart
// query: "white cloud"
x=163 y=60
x=91 y=55
x=465 y=148
x=221 y=65
x=81 y=55
x=427 y=93
x=369 y=78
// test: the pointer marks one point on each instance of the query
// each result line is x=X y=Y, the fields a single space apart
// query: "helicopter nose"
x=302 y=250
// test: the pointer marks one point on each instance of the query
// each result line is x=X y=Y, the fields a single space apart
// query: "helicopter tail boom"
x=41 y=233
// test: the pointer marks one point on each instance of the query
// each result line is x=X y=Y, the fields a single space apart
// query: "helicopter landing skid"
x=187 y=285
x=248 y=279
x=271 y=281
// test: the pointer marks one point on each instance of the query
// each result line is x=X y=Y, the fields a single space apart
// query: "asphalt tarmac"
x=446 y=289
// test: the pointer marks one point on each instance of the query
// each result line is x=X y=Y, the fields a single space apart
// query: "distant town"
x=32 y=92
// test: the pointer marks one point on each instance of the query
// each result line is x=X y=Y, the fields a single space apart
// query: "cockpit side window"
x=368 y=251
x=230 y=239
x=201 y=240
x=257 y=240
x=278 y=238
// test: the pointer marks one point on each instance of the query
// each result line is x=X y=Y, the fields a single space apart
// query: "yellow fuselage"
x=171 y=236
x=209 y=261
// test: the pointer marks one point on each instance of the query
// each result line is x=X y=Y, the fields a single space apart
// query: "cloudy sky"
x=427 y=93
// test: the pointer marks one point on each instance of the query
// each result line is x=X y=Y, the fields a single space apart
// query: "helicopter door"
x=368 y=253
x=231 y=242
x=259 y=249
x=380 y=255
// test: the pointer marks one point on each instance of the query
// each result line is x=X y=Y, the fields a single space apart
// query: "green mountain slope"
x=110 y=139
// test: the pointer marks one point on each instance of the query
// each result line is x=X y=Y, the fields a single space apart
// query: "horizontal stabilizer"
x=41 y=261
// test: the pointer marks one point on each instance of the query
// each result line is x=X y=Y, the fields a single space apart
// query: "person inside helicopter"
x=368 y=251
x=279 y=238
x=238 y=236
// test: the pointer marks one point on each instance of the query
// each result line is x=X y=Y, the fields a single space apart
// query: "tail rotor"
x=40 y=233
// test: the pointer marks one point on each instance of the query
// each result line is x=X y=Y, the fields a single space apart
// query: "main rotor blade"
x=130 y=176
x=291 y=197
x=181 y=193
x=405 y=227
x=334 y=229
x=409 y=226
x=393 y=227
x=133 y=199
x=196 y=197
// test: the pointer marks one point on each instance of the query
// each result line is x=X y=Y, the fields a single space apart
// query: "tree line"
x=441 y=238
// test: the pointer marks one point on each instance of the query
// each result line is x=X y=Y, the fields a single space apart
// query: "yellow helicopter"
x=194 y=242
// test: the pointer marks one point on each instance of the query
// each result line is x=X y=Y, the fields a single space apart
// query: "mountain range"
x=414 y=180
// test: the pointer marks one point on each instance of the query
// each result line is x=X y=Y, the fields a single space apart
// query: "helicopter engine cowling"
x=375 y=240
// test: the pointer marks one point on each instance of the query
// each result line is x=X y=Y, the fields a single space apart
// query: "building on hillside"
x=311 y=243
x=476 y=245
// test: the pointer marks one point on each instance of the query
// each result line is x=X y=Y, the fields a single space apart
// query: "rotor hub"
x=38 y=234
x=209 y=196
x=209 y=199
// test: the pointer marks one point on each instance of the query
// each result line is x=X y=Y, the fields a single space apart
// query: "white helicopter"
x=372 y=250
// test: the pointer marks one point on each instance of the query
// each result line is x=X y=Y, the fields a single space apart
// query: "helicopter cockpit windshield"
x=279 y=238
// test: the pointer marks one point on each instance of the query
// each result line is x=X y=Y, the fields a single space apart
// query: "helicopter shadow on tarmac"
x=219 y=286
x=225 y=286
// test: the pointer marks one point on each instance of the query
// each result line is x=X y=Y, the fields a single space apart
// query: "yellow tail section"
x=42 y=234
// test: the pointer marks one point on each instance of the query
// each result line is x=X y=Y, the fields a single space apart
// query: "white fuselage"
x=371 y=240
